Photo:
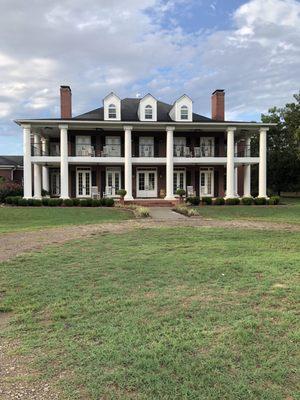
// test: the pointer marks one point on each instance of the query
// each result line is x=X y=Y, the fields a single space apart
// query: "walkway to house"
x=165 y=213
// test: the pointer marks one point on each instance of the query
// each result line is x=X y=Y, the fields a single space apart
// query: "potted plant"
x=180 y=193
x=122 y=193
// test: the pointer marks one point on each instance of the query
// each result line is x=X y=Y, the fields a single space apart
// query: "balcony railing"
x=196 y=152
x=146 y=151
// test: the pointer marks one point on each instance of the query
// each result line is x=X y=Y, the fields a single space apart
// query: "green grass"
x=183 y=313
x=288 y=212
x=23 y=218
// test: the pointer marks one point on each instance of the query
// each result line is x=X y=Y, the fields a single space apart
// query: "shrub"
x=22 y=202
x=30 y=202
x=232 y=201
x=76 y=202
x=15 y=200
x=68 y=202
x=36 y=203
x=96 y=203
x=10 y=189
x=45 y=201
x=180 y=192
x=122 y=193
x=260 y=201
x=247 y=201
x=219 y=201
x=187 y=211
x=274 y=200
x=109 y=202
x=141 y=212
x=102 y=202
x=206 y=200
x=55 y=202
x=195 y=200
x=83 y=203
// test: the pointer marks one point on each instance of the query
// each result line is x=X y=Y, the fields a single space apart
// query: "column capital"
x=127 y=127
x=231 y=129
x=63 y=126
x=170 y=128
x=26 y=126
x=263 y=129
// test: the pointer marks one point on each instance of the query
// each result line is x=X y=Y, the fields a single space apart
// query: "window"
x=184 y=112
x=112 y=111
x=148 y=112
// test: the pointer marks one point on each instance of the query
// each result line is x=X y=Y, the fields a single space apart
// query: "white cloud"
x=98 y=45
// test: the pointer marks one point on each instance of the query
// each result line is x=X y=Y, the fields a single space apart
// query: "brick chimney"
x=65 y=102
x=218 y=105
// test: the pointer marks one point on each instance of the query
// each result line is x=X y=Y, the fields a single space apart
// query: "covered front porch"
x=148 y=181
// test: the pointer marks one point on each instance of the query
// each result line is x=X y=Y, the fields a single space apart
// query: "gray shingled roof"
x=11 y=160
x=129 y=112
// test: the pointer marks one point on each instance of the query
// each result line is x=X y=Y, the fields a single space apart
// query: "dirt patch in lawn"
x=16 y=243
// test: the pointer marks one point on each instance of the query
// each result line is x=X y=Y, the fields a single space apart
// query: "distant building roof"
x=16 y=161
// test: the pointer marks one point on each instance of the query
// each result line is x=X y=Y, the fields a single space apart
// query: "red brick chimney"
x=218 y=105
x=65 y=102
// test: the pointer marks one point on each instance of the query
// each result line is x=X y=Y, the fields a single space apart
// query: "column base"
x=247 y=195
x=37 y=197
x=64 y=197
x=234 y=196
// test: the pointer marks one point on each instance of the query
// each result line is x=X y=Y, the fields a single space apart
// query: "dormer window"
x=148 y=112
x=112 y=111
x=184 y=112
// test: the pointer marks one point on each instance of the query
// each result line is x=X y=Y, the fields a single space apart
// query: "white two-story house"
x=143 y=145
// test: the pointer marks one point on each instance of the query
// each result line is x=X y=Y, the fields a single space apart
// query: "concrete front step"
x=152 y=202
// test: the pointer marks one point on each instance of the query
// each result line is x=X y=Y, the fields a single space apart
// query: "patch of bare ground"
x=18 y=379
x=16 y=243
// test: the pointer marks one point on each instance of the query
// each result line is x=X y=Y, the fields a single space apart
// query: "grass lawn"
x=184 y=313
x=288 y=212
x=28 y=218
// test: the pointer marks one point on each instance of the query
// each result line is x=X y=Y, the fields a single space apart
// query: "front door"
x=207 y=182
x=178 y=180
x=83 y=182
x=146 y=183
x=113 y=181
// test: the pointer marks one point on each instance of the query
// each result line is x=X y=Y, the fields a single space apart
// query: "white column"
x=236 y=182
x=230 y=181
x=27 y=172
x=37 y=185
x=64 y=167
x=262 y=176
x=170 y=164
x=128 y=163
x=45 y=169
x=247 y=170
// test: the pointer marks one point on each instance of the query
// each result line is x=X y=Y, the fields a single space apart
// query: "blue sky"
x=165 y=47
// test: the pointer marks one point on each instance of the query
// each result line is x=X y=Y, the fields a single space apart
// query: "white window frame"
x=85 y=170
x=112 y=114
x=148 y=112
x=147 y=140
x=176 y=171
x=211 y=171
x=184 y=113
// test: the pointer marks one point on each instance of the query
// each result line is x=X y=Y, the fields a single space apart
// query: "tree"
x=283 y=158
